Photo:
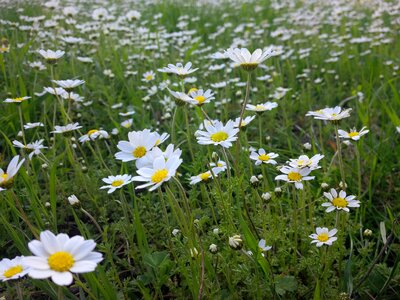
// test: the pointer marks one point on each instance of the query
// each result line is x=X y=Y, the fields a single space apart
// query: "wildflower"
x=200 y=97
x=12 y=268
x=180 y=98
x=245 y=121
x=307 y=146
x=116 y=182
x=67 y=128
x=254 y=180
x=220 y=164
x=35 y=148
x=295 y=175
x=324 y=186
x=33 y=125
x=353 y=134
x=149 y=76
x=323 y=236
x=247 y=60
x=340 y=202
x=218 y=134
x=266 y=196
x=140 y=142
x=260 y=108
x=16 y=100
x=127 y=123
x=216 y=231
x=68 y=85
x=236 y=242
x=206 y=176
x=330 y=114
x=175 y=232
x=160 y=172
x=73 y=200
x=51 y=56
x=262 y=157
x=262 y=246
x=213 y=248
x=303 y=161
x=93 y=135
x=194 y=253
x=7 y=178
x=178 y=69
x=58 y=256
x=367 y=232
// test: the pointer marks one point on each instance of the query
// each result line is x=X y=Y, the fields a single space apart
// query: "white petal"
x=62 y=278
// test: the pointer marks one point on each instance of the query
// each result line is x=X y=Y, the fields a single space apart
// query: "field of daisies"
x=244 y=149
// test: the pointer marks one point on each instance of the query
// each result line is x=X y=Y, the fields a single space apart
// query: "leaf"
x=156 y=259
x=286 y=284
x=383 y=231
x=317 y=291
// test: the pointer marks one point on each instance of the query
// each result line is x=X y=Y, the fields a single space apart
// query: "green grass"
x=142 y=259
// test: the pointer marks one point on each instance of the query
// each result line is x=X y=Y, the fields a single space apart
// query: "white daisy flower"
x=12 y=268
x=236 y=242
x=330 y=114
x=35 y=148
x=200 y=97
x=206 y=176
x=126 y=114
x=140 y=142
x=261 y=157
x=161 y=171
x=93 y=135
x=51 y=56
x=178 y=69
x=220 y=164
x=323 y=236
x=295 y=175
x=55 y=91
x=16 y=100
x=116 y=182
x=33 y=125
x=68 y=84
x=149 y=76
x=7 y=178
x=303 y=161
x=58 y=256
x=259 y=108
x=262 y=246
x=353 y=134
x=249 y=61
x=66 y=128
x=340 y=202
x=245 y=121
x=127 y=123
x=218 y=134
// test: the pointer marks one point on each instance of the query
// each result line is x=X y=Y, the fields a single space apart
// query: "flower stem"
x=21 y=120
x=339 y=151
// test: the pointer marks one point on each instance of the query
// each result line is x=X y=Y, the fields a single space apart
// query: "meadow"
x=242 y=149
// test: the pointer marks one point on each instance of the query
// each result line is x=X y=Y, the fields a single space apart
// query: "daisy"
x=149 y=76
x=323 y=236
x=262 y=246
x=58 y=256
x=35 y=148
x=33 y=125
x=330 y=114
x=93 y=135
x=220 y=164
x=262 y=157
x=127 y=123
x=51 y=56
x=260 y=108
x=304 y=161
x=162 y=138
x=148 y=159
x=295 y=175
x=55 y=91
x=218 y=134
x=245 y=121
x=66 y=128
x=7 y=178
x=116 y=182
x=200 y=97
x=178 y=69
x=206 y=176
x=140 y=142
x=68 y=84
x=16 y=100
x=353 y=134
x=12 y=268
x=246 y=60
x=180 y=98
x=340 y=202
x=126 y=114
x=160 y=172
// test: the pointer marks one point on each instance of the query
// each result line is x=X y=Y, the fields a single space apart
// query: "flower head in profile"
x=58 y=256
x=67 y=128
x=69 y=84
x=51 y=56
x=162 y=170
x=178 y=69
x=323 y=236
x=93 y=135
x=295 y=175
x=262 y=246
x=340 y=201
x=16 y=100
x=116 y=182
x=7 y=178
x=12 y=268
x=34 y=148
x=260 y=108
x=245 y=121
x=330 y=114
x=353 y=134
x=261 y=157
x=249 y=61
x=305 y=162
x=206 y=176
x=218 y=134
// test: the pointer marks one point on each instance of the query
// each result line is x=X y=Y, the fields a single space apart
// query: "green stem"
x=339 y=151
x=21 y=120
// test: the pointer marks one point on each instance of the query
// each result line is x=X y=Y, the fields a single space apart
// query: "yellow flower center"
x=13 y=271
x=90 y=132
x=323 y=237
x=149 y=77
x=353 y=134
x=219 y=136
x=4 y=177
x=249 y=66
x=339 y=202
x=205 y=176
x=260 y=107
x=263 y=157
x=294 y=176
x=200 y=99
x=19 y=99
x=60 y=261
x=117 y=183
x=159 y=175
x=139 y=152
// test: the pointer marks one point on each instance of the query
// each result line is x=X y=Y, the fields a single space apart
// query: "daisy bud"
x=213 y=248
x=367 y=232
x=260 y=177
x=215 y=157
x=47 y=204
x=73 y=200
x=216 y=231
x=175 y=232
x=45 y=166
x=236 y=242
x=278 y=191
x=114 y=131
x=19 y=133
x=307 y=146
x=266 y=196
x=254 y=180
x=341 y=185
x=73 y=139
x=324 y=186
x=194 y=253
